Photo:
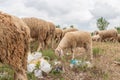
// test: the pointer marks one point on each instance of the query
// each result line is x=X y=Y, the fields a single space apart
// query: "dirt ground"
x=103 y=68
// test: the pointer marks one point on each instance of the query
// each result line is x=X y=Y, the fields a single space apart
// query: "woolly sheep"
x=58 y=34
x=38 y=30
x=50 y=35
x=118 y=37
x=95 y=38
x=14 y=44
x=69 y=30
x=106 y=34
x=73 y=40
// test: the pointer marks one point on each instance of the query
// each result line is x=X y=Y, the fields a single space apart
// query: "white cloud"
x=82 y=13
x=104 y=10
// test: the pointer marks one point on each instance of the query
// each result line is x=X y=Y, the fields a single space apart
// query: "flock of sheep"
x=106 y=35
x=16 y=35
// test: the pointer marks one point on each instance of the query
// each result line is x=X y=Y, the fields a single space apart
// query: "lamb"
x=73 y=40
x=107 y=34
x=14 y=44
x=69 y=30
x=38 y=30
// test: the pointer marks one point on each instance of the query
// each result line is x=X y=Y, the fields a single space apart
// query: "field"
x=104 y=68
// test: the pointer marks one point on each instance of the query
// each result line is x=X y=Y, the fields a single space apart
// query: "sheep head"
x=59 y=52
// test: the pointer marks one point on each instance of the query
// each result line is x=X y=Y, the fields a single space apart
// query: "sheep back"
x=14 y=42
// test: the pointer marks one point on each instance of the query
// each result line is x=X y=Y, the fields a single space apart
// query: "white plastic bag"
x=31 y=67
x=30 y=58
x=38 y=73
x=37 y=55
x=45 y=66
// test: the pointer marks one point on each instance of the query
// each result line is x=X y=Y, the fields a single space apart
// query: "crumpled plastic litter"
x=75 y=62
x=31 y=67
x=37 y=55
x=45 y=66
x=36 y=59
x=38 y=73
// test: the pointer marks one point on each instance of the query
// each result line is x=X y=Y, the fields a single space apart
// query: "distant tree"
x=102 y=23
x=118 y=29
x=71 y=26
x=58 y=26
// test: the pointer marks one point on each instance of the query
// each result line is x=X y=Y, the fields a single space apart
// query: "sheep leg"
x=73 y=55
x=39 y=47
x=88 y=49
x=52 y=43
x=20 y=75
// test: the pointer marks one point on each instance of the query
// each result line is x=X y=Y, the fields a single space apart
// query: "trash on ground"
x=58 y=67
x=31 y=67
x=45 y=66
x=38 y=73
x=37 y=64
x=79 y=63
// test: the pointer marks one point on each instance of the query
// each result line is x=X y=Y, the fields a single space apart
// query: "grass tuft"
x=97 y=51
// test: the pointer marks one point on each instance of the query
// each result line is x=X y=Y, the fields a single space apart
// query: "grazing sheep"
x=38 y=30
x=14 y=44
x=107 y=34
x=96 y=38
x=118 y=37
x=76 y=39
x=58 y=35
x=50 y=35
x=69 y=30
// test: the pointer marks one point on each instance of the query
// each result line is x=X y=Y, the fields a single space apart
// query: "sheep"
x=118 y=37
x=38 y=30
x=73 y=40
x=58 y=34
x=14 y=44
x=69 y=30
x=95 y=38
x=50 y=35
x=107 y=34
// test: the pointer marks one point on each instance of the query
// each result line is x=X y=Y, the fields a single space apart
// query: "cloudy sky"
x=80 y=13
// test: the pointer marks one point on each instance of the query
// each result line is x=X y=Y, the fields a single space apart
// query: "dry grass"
x=105 y=62
x=103 y=65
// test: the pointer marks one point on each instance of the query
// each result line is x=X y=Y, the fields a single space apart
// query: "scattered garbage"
x=38 y=73
x=37 y=55
x=37 y=64
x=58 y=67
x=45 y=66
x=31 y=67
x=79 y=63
